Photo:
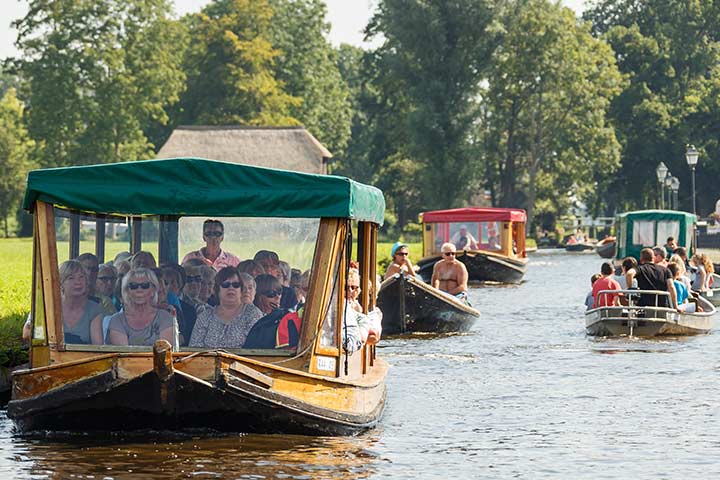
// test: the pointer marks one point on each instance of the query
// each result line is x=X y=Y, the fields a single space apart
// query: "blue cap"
x=395 y=247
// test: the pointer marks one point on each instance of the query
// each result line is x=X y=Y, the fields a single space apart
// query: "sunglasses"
x=135 y=286
x=231 y=284
x=449 y=254
x=106 y=279
x=271 y=293
x=404 y=254
x=352 y=288
x=194 y=279
x=214 y=234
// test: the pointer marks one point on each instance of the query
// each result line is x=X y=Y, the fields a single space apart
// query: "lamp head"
x=661 y=172
x=691 y=155
x=675 y=184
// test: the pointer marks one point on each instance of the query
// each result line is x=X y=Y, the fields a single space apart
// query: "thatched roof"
x=289 y=148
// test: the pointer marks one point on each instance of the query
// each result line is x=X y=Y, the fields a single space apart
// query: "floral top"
x=225 y=259
x=212 y=332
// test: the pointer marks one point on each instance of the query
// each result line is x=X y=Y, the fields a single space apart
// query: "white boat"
x=713 y=295
x=648 y=321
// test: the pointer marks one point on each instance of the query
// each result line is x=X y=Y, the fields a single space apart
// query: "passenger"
x=206 y=285
x=105 y=288
x=606 y=282
x=143 y=259
x=302 y=290
x=660 y=256
x=358 y=327
x=449 y=274
x=171 y=303
x=400 y=261
x=211 y=254
x=249 y=288
x=703 y=273
x=295 y=275
x=82 y=317
x=493 y=243
x=285 y=271
x=140 y=322
x=651 y=276
x=682 y=253
x=589 y=298
x=175 y=278
x=271 y=263
x=121 y=256
x=269 y=293
x=91 y=264
x=122 y=268
x=278 y=328
x=627 y=264
x=684 y=276
x=681 y=290
x=227 y=324
x=670 y=246
x=463 y=240
x=251 y=267
x=193 y=281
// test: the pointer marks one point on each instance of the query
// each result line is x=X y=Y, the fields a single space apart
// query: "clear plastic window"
x=644 y=233
x=667 y=228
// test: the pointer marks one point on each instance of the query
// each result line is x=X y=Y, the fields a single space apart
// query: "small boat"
x=647 y=228
x=647 y=321
x=606 y=249
x=578 y=247
x=412 y=306
x=489 y=241
x=713 y=295
x=313 y=388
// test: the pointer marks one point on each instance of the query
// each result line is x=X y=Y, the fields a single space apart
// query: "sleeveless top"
x=212 y=332
x=80 y=332
x=145 y=336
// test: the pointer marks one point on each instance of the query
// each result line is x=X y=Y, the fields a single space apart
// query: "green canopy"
x=648 y=228
x=199 y=187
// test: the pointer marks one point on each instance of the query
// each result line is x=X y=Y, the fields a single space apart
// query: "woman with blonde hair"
x=82 y=317
x=704 y=272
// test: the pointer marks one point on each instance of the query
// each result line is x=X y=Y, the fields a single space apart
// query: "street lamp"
x=668 y=184
x=675 y=186
x=691 y=155
x=661 y=171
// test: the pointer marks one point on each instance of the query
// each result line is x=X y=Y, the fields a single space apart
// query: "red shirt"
x=606 y=299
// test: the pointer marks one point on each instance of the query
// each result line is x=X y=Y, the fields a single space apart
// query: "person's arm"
x=703 y=279
x=409 y=267
x=96 y=331
x=435 y=281
x=673 y=294
x=629 y=276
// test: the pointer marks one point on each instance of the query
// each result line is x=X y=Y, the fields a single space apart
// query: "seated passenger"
x=463 y=240
x=400 y=261
x=249 y=288
x=606 y=282
x=358 y=328
x=589 y=299
x=251 y=267
x=205 y=295
x=82 y=317
x=105 y=288
x=681 y=291
x=172 y=280
x=271 y=263
x=140 y=322
x=143 y=259
x=279 y=328
x=227 y=324
x=493 y=243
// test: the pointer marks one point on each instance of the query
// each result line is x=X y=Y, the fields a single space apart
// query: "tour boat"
x=648 y=228
x=498 y=254
x=648 y=321
x=411 y=306
x=315 y=388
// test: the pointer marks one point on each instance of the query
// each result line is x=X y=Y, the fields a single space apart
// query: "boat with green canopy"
x=648 y=228
x=318 y=386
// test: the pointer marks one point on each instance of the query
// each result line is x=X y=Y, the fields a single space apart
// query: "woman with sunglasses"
x=227 y=324
x=450 y=274
x=81 y=316
x=400 y=261
x=359 y=327
x=141 y=322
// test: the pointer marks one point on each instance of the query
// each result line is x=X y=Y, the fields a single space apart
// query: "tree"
x=96 y=75
x=15 y=154
x=307 y=65
x=230 y=68
x=544 y=128
x=429 y=69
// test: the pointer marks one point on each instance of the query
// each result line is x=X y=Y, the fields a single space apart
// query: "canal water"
x=525 y=394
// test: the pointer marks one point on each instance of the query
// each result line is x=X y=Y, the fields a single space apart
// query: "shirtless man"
x=449 y=274
x=400 y=261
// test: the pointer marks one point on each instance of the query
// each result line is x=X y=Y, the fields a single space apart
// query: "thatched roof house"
x=289 y=148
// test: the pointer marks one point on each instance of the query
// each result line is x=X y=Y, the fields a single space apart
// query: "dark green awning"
x=199 y=187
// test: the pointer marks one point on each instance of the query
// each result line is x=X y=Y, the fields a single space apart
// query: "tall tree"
x=230 y=68
x=308 y=67
x=96 y=75
x=434 y=57
x=545 y=131
x=15 y=155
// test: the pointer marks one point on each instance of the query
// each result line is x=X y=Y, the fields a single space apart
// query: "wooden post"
x=100 y=239
x=168 y=242
x=50 y=276
x=74 y=240
x=136 y=238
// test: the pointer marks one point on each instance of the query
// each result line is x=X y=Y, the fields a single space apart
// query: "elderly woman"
x=249 y=288
x=227 y=324
x=141 y=322
x=82 y=317
x=269 y=293
x=359 y=327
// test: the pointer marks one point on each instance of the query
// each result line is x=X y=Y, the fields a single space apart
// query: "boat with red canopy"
x=490 y=242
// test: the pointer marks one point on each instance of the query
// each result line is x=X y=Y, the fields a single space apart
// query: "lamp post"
x=691 y=155
x=675 y=186
x=661 y=171
x=668 y=185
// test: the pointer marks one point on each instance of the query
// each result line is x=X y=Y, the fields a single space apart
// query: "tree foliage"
x=544 y=128
x=96 y=75
x=15 y=155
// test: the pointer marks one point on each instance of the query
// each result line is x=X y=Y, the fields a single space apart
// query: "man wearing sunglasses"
x=450 y=274
x=211 y=254
x=400 y=261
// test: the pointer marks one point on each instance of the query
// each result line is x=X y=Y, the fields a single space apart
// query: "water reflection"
x=156 y=455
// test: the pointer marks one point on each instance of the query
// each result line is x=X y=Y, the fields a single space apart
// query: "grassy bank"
x=15 y=281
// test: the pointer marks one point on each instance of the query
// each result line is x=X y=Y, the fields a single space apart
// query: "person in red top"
x=606 y=282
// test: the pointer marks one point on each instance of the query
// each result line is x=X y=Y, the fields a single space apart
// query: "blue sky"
x=348 y=17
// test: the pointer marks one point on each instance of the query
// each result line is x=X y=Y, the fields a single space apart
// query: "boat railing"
x=630 y=308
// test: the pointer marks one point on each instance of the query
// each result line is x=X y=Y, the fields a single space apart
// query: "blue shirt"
x=681 y=291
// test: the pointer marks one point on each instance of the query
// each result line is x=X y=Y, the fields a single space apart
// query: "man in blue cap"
x=400 y=261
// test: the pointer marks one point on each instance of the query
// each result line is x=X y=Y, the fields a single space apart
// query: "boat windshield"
x=180 y=281
x=468 y=235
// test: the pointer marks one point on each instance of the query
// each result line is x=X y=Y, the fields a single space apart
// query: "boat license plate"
x=326 y=363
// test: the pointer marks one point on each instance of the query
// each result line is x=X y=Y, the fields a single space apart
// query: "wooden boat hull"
x=647 y=322
x=578 y=247
x=411 y=306
x=606 y=250
x=236 y=399
x=481 y=266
